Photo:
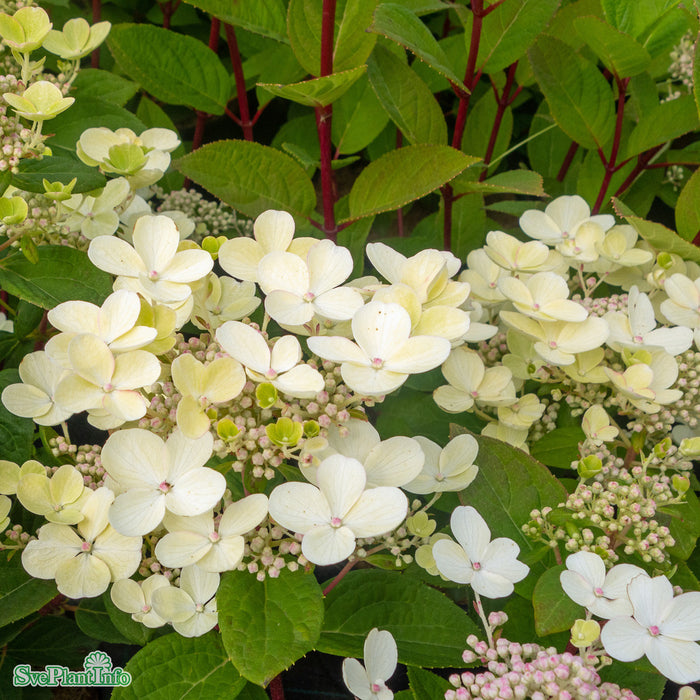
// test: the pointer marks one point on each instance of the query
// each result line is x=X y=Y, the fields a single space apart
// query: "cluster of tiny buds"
x=150 y=565
x=493 y=350
x=211 y=218
x=602 y=305
x=530 y=671
x=17 y=536
x=269 y=549
x=15 y=139
x=87 y=460
x=681 y=68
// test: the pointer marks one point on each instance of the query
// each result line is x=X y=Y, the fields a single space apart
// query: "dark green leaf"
x=317 y=92
x=688 y=208
x=175 y=667
x=664 y=123
x=664 y=34
x=511 y=181
x=401 y=25
x=354 y=237
x=93 y=620
x=559 y=447
x=406 y=99
x=554 y=610
x=174 y=68
x=250 y=177
x=579 y=97
x=634 y=17
x=28 y=318
x=104 y=85
x=62 y=274
x=428 y=627
x=684 y=522
x=20 y=594
x=427 y=685
x=266 y=17
x=480 y=121
x=468 y=224
x=619 y=52
x=134 y=631
x=30 y=174
x=403 y=175
x=645 y=683
x=267 y=625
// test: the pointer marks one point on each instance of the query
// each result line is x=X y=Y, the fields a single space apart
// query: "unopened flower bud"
x=584 y=633
x=589 y=466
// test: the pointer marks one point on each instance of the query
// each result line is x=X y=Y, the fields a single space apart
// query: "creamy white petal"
x=245 y=344
x=394 y=462
x=337 y=349
x=195 y=492
x=678 y=660
x=380 y=328
x=325 y=545
x=650 y=598
x=121 y=554
x=115 y=256
x=624 y=638
x=377 y=511
x=682 y=617
x=274 y=230
x=329 y=266
x=244 y=515
x=288 y=308
x=185 y=454
x=471 y=531
x=299 y=507
x=225 y=555
x=370 y=381
x=380 y=654
x=173 y=604
x=356 y=679
x=301 y=381
x=341 y=480
x=240 y=257
x=188 y=266
x=56 y=544
x=452 y=561
x=84 y=576
x=155 y=240
x=284 y=272
x=182 y=548
x=338 y=304
x=418 y=354
x=137 y=512
x=135 y=458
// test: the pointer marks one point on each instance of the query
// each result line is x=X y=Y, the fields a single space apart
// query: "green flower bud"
x=125 y=159
x=584 y=633
x=661 y=448
x=664 y=260
x=212 y=244
x=642 y=357
x=690 y=447
x=285 y=432
x=601 y=552
x=311 y=428
x=266 y=395
x=77 y=39
x=589 y=466
x=13 y=210
x=57 y=191
x=680 y=483
x=420 y=524
x=227 y=430
x=638 y=440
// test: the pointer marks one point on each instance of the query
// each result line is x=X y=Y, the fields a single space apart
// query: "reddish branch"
x=568 y=159
x=241 y=95
x=276 y=688
x=96 y=16
x=168 y=9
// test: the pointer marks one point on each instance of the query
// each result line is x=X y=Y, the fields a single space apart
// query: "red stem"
x=610 y=164
x=276 y=688
x=568 y=159
x=502 y=101
x=96 y=16
x=167 y=9
x=339 y=576
x=241 y=95
x=324 y=116
x=642 y=164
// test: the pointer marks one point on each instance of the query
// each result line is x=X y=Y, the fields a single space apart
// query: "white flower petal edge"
x=381 y=656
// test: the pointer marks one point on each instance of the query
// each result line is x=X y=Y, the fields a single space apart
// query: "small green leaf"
x=619 y=52
x=428 y=627
x=180 y=667
x=683 y=520
x=62 y=274
x=406 y=99
x=31 y=173
x=104 y=85
x=688 y=208
x=401 y=25
x=665 y=122
x=427 y=685
x=317 y=92
x=174 y=68
x=468 y=224
x=403 y=175
x=511 y=181
x=559 y=447
x=554 y=610
x=578 y=95
x=250 y=177
x=267 y=625
x=20 y=594
x=93 y=620
x=266 y=17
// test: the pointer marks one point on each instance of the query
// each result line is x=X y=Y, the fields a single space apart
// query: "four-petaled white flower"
x=661 y=627
x=368 y=682
x=490 y=568
x=586 y=582
x=135 y=598
x=384 y=354
x=331 y=516
x=157 y=476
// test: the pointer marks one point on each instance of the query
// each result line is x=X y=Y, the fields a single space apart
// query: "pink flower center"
x=145 y=608
x=153 y=275
x=439 y=476
x=638 y=339
x=336 y=522
x=375 y=687
x=199 y=608
x=271 y=373
x=214 y=537
x=654 y=631
x=86 y=546
x=164 y=486
x=598 y=591
x=377 y=362
x=476 y=566
x=309 y=296
x=536 y=306
x=108 y=387
x=553 y=344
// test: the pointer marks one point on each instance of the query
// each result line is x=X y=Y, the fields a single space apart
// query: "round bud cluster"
x=681 y=68
x=15 y=139
x=269 y=549
x=86 y=459
x=493 y=350
x=18 y=537
x=530 y=671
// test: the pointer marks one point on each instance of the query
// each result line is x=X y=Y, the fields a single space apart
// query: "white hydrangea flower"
x=95 y=215
x=596 y=425
x=661 y=627
x=368 y=682
x=523 y=413
x=221 y=299
x=483 y=275
x=544 y=297
x=603 y=593
x=518 y=257
x=618 y=249
x=333 y=515
x=490 y=568
x=384 y=354
x=135 y=598
x=157 y=476
x=59 y=499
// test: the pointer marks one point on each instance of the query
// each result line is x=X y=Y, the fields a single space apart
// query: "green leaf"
x=696 y=75
x=510 y=30
x=266 y=17
x=688 y=208
x=579 y=97
x=664 y=123
x=317 y=92
x=511 y=181
x=683 y=520
x=16 y=434
x=645 y=683
x=657 y=235
x=20 y=594
x=62 y=274
x=134 y=631
x=92 y=618
x=63 y=168
x=666 y=33
x=174 y=68
x=403 y=175
x=104 y=85
x=619 y=52
x=406 y=99
x=250 y=177
x=427 y=685
x=86 y=113
x=352 y=44
x=634 y=17
x=358 y=118
x=480 y=123
x=354 y=237
x=267 y=625
x=559 y=447
x=399 y=24
x=276 y=63
x=554 y=610
x=468 y=224
x=175 y=667
x=428 y=627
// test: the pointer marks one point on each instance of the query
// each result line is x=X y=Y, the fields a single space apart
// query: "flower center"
x=375 y=687
x=553 y=344
x=439 y=476
x=108 y=387
x=377 y=362
x=153 y=275
x=598 y=591
x=336 y=522
x=654 y=631
x=199 y=608
x=164 y=486
x=271 y=373
x=214 y=537
x=638 y=339
x=145 y=608
x=309 y=296
x=86 y=546
x=476 y=566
